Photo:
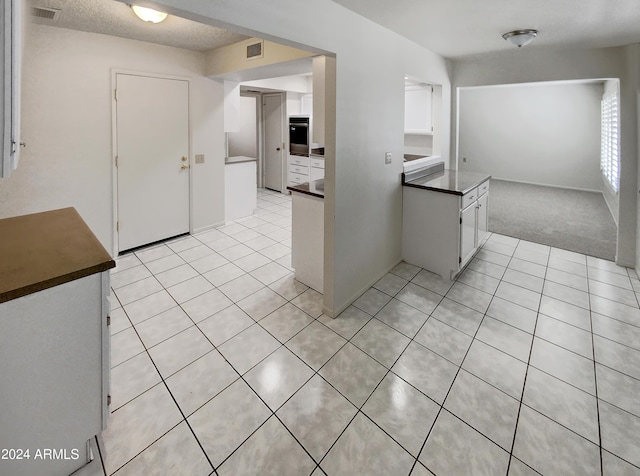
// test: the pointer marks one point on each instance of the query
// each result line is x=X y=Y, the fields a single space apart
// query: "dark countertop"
x=449 y=181
x=315 y=188
x=238 y=159
x=43 y=250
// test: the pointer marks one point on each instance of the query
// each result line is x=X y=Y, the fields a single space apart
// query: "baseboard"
x=355 y=296
x=202 y=229
x=547 y=185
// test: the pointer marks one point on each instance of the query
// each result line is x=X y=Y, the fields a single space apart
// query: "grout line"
x=595 y=377
x=388 y=371
x=524 y=383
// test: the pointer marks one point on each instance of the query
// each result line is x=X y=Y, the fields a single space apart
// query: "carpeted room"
x=541 y=142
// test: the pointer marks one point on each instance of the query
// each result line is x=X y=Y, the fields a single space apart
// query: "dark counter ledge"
x=449 y=181
x=315 y=188
x=43 y=250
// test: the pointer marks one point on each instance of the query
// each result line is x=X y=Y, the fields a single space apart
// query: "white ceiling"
x=115 y=18
x=451 y=28
x=457 y=28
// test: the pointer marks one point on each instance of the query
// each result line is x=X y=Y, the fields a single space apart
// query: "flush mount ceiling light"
x=147 y=14
x=520 y=38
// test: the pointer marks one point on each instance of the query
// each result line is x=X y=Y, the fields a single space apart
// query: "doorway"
x=152 y=166
x=274 y=143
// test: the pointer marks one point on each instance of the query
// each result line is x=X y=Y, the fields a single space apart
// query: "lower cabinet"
x=307 y=240
x=473 y=227
x=442 y=231
x=297 y=169
x=55 y=369
x=301 y=169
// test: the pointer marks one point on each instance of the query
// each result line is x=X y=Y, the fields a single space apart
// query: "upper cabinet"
x=418 y=108
x=306 y=104
x=10 y=45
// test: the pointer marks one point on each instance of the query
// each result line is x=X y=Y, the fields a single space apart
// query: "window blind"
x=609 y=148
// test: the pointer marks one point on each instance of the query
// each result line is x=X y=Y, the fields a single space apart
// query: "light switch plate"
x=199 y=158
x=387 y=158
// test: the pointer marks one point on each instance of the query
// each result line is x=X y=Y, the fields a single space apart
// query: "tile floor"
x=224 y=364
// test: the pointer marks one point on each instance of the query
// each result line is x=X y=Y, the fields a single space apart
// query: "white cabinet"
x=307 y=239
x=306 y=104
x=468 y=225
x=473 y=222
x=316 y=171
x=240 y=188
x=54 y=341
x=442 y=231
x=418 y=109
x=302 y=169
x=10 y=66
x=297 y=169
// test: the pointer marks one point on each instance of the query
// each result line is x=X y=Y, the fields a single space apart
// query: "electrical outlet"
x=199 y=158
x=387 y=158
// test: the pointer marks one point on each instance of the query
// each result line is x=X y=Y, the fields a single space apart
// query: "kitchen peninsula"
x=444 y=217
x=307 y=234
x=240 y=187
x=54 y=340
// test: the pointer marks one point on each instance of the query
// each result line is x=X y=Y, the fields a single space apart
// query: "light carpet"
x=569 y=219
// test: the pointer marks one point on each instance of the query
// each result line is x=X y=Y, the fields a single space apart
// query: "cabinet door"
x=10 y=67
x=483 y=225
x=467 y=233
x=316 y=173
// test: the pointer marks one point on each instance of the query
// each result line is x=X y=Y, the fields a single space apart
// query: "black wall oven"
x=299 y=135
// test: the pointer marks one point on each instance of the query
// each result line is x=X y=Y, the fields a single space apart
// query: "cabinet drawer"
x=299 y=160
x=316 y=173
x=297 y=178
x=317 y=163
x=298 y=169
x=483 y=188
x=468 y=198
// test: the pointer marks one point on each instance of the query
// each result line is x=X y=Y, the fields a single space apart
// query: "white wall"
x=543 y=133
x=364 y=196
x=66 y=122
x=245 y=141
x=529 y=65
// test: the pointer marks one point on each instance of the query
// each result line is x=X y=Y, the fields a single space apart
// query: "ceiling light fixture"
x=147 y=14
x=520 y=38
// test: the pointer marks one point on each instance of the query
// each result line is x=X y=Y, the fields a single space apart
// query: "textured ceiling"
x=456 y=28
x=451 y=28
x=115 y=18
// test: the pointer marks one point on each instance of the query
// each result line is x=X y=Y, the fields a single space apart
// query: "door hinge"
x=459 y=259
x=461 y=220
x=116 y=161
x=108 y=321
x=117 y=226
x=115 y=94
x=108 y=400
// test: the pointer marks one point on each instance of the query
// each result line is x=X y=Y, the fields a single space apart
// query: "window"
x=609 y=155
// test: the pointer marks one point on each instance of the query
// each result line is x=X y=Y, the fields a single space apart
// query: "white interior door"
x=152 y=128
x=273 y=140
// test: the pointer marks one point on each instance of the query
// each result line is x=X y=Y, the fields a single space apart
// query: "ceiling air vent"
x=45 y=13
x=254 y=50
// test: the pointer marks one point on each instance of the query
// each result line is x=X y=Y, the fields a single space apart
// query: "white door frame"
x=114 y=147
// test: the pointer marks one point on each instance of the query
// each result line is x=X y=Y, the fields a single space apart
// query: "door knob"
x=184 y=167
x=183 y=158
